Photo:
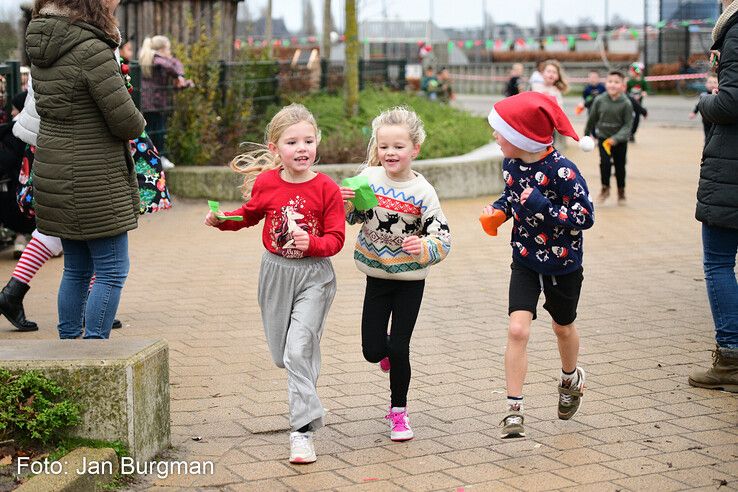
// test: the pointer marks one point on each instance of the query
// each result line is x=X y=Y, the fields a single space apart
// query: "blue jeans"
x=107 y=258
x=720 y=246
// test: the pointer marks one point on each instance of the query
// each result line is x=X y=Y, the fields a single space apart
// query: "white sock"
x=515 y=403
x=572 y=378
x=399 y=409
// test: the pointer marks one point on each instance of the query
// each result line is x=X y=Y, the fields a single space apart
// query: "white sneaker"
x=302 y=450
x=166 y=163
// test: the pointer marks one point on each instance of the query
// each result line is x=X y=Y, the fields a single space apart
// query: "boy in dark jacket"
x=549 y=201
x=593 y=89
x=611 y=120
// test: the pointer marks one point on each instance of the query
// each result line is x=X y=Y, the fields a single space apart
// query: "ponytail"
x=146 y=57
x=148 y=49
x=251 y=163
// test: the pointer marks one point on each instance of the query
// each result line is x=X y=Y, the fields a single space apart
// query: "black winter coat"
x=717 y=193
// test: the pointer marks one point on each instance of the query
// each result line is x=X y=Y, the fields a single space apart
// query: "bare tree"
x=268 y=27
x=352 y=60
x=308 y=18
x=327 y=28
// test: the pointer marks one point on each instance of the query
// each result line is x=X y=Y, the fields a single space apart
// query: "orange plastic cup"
x=490 y=223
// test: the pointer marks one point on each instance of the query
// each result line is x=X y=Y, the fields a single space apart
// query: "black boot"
x=11 y=305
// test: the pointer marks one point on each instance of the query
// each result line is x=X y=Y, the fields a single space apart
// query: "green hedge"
x=450 y=131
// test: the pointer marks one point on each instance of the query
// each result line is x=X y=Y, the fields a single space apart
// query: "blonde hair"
x=149 y=47
x=397 y=116
x=560 y=84
x=258 y=158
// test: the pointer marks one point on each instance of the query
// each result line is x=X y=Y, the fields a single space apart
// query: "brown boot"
x=621 y=196
x=722 y=375
x=604 y=194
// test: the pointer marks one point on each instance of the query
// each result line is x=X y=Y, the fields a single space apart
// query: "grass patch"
x=449 y=131
x=71 y=443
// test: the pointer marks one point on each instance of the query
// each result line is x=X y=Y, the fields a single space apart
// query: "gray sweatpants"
x=294 y=296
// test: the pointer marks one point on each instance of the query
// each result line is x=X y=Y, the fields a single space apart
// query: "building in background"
x=678 y=10
x=684 y=39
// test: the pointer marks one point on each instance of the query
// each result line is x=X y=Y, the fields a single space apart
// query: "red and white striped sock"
x=92 y=282
x=32 y=259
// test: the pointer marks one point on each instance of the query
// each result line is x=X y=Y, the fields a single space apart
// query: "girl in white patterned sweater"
x=399 y=239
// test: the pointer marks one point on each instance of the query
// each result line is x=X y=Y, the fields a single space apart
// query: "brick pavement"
x=644 y=322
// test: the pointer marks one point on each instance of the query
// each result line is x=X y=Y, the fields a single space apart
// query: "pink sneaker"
x=384 y=364
x=399 y=426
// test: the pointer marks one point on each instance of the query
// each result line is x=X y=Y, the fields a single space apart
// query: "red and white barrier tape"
x=650 y=78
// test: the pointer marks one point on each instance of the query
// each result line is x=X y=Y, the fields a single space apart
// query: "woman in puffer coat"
x=717 y=205
x=84 y=177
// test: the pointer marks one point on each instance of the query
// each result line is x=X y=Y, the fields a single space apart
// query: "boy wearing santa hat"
x=549 y=201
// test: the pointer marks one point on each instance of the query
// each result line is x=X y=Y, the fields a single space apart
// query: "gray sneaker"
x=570 y=399
x=512 y=425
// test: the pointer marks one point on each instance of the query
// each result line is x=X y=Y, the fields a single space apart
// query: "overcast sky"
x=465 y=13
x=446 y=13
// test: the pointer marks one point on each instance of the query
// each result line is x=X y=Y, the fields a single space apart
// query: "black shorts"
x=561 y=291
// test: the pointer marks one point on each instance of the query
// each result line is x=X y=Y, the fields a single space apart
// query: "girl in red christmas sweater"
x=303 y=226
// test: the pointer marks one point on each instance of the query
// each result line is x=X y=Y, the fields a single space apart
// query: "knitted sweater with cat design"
x=405 y=208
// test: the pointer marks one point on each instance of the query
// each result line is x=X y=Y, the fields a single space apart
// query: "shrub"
x=33 y=408
x=210 y=118
x=450 y=131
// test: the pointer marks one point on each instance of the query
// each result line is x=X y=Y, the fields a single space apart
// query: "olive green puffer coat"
x=84 y=176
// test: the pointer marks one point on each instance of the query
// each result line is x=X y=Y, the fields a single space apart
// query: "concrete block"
x=122 y=386
x=474 y=174
x=82 y=470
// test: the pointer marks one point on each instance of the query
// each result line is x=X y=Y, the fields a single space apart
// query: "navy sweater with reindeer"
x=405 y=208
x=547 y=229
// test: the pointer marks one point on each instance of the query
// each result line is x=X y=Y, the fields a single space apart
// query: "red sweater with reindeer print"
x=314 y=205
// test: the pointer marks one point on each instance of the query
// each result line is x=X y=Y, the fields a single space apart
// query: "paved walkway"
x=644 y=322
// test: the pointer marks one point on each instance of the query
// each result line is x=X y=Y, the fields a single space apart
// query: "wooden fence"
x=181 y=20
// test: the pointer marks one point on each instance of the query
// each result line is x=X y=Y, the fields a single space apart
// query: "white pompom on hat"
x=528 y=120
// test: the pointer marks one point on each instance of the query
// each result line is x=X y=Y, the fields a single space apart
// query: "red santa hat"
x=528 y=120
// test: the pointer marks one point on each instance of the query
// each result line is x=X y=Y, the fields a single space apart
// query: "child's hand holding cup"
x=491 y=219
x=346 y=193
x=212 y=220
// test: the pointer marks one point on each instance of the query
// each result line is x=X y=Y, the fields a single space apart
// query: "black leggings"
x=401 y=299
x=617 y=158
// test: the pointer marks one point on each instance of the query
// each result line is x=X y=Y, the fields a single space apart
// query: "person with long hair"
x=303 y=227
x=161 y=72
x=84 y=176
x=554 y=81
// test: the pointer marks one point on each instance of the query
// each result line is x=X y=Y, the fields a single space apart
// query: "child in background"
x=12 y=151
x=554 y=81
x=429 y=84
x=445 y=90
x=711 y=85
x=303 y=226
x=593 y=89
x=637 y=90
x=610 y=119
x=548 y=198
x=536 y=78
x=399 y=239
x=514 y=83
